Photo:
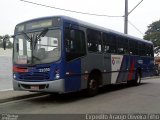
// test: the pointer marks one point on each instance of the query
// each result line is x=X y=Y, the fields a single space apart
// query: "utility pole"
x=126 y=18
x=127 y=14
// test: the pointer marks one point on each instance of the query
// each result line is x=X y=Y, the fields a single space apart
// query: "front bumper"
x=48 y=86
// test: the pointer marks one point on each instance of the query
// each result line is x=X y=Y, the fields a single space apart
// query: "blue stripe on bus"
x=123 y=74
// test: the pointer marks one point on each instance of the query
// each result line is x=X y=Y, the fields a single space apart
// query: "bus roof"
x=89 y=25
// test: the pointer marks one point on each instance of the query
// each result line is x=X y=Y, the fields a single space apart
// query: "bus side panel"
x=144 y=66
x=132 y=68
x=147 y=66
x=123 y=68
x=91 y=62
x=151 y=67
x=107 y=69
x=116 y=62
x=73 y=76
x=123 y=74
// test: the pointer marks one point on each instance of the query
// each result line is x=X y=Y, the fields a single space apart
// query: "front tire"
x=92 y=88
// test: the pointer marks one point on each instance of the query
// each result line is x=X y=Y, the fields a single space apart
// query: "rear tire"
x=138 y=79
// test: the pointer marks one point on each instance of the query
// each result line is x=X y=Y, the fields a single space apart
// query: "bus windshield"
x=37 y=47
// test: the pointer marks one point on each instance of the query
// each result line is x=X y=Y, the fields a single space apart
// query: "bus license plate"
x=35 y=87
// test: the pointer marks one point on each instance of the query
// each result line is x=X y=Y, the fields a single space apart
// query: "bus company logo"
x=113 y=61
x=116 y=60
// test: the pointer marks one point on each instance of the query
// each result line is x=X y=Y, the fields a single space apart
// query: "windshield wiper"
x=43 y=33
x=38 y=37
x=27 y=37
x=36 y=58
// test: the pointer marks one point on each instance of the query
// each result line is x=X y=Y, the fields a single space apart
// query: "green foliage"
x=153 y=34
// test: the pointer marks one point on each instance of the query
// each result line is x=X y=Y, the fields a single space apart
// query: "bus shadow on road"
x=117 y=87
x=76 y=96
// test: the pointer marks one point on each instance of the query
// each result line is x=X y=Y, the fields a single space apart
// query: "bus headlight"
x=57 y=76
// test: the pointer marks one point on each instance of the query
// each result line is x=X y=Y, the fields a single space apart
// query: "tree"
x=1 y=44
x=9 y=43
x=153 y=34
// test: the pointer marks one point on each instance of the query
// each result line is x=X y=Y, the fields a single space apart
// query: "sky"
x=15 y=11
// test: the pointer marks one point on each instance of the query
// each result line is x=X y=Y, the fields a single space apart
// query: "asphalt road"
x=5 y=73
x=111 y=99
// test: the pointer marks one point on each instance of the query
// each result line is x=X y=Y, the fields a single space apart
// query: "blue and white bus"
x=62 y=54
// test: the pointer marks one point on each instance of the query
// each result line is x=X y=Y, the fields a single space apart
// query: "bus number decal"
x=44 y=70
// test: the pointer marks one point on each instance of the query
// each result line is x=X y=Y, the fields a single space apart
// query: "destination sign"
x=39 y=24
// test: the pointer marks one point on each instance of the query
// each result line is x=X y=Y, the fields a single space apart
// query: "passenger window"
x=149 y=50
x=94 y=41
x=142 y=49
x=122 y=45
x=109 y=43
x=133 y=47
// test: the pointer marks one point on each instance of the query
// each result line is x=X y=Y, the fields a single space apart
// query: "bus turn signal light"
x=19 y=69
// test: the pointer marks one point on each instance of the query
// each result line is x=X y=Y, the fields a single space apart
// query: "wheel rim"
x=139 y=79
x=93 y=84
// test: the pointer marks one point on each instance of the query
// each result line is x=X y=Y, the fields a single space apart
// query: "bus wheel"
x=92 y=87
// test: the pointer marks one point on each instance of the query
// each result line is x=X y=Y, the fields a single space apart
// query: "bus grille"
x=34 y=76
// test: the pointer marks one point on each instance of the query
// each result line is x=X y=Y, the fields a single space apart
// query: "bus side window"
x=149 y=50
x=94 y=41
x=122 y=45
x=133 y=47
x=142 y=49
x=113 y=43
x=109 y=43
x=106 y=43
